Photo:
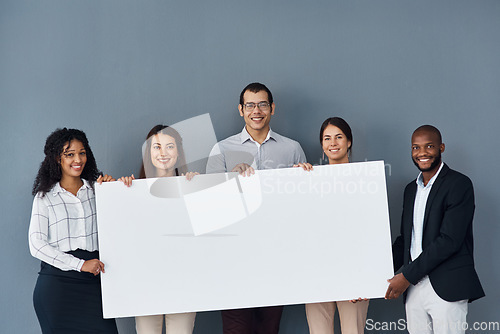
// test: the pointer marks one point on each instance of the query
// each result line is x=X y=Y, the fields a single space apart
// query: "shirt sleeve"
x=38 y=239
x=301 y=156
x=216 y=161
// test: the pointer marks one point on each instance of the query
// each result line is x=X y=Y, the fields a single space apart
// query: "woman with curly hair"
x=63 y=235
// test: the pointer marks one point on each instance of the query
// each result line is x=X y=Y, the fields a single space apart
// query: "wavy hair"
x=50 y=169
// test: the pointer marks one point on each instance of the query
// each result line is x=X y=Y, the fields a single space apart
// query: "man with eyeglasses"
x=255 y=147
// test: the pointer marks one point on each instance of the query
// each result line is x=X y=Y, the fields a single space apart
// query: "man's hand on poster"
x=244 y=169
x=305 y=165
x=397 y=285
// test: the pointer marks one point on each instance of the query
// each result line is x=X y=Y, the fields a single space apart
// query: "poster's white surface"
x=224 y=241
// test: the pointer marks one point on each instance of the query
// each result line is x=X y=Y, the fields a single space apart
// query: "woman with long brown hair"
x=163 y=156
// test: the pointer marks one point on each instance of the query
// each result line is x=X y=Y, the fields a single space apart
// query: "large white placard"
x=223 y=241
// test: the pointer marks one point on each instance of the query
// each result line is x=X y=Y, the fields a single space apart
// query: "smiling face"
x=73 y=159
x=164 y=154
x=426 y=149
x=335 y=145
x=256 y=119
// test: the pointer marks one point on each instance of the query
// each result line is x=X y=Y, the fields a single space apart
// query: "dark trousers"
x=259 y=320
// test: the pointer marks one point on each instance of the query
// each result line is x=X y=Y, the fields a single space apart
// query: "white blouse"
x=61 y=222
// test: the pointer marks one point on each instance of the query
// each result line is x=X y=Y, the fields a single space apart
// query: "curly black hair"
x=50 y=170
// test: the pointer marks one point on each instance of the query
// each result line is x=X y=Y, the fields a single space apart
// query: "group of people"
x=434 y=248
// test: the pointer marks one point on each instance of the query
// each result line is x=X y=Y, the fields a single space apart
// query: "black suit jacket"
x=447 y=240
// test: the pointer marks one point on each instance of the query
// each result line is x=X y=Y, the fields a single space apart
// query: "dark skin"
x=426 y=149
x=72 y=162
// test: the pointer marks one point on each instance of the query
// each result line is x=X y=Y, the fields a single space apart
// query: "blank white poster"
x=223 y=241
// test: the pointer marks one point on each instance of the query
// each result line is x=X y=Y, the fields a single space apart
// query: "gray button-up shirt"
x=275 y=151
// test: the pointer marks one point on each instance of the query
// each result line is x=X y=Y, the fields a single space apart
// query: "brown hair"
x=147 y=168
x=339 y=123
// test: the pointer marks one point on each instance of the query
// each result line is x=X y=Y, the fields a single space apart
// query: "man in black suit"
x=435 y=248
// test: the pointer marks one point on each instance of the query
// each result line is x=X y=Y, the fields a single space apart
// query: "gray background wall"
x=115 y=68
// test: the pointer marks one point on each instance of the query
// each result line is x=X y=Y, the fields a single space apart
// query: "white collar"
x=244 y=136
x=420 y=178
x=58 y=189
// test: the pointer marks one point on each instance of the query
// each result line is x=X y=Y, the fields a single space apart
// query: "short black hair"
x=256 y=87
x=50 y=170
x=429 y=128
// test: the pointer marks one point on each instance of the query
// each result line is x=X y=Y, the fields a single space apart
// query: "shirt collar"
x=58 y=189
x=244 y=136
x=420 y=178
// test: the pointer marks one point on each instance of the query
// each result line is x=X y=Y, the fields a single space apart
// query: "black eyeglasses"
x=264 y=106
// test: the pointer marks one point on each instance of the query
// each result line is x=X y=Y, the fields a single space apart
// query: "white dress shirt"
x=61 y=222
x=419 y=212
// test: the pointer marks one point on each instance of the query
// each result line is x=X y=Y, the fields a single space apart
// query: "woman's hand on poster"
x=127 y=180
x=354 y=301
x=104 y=178
x=190 y=175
